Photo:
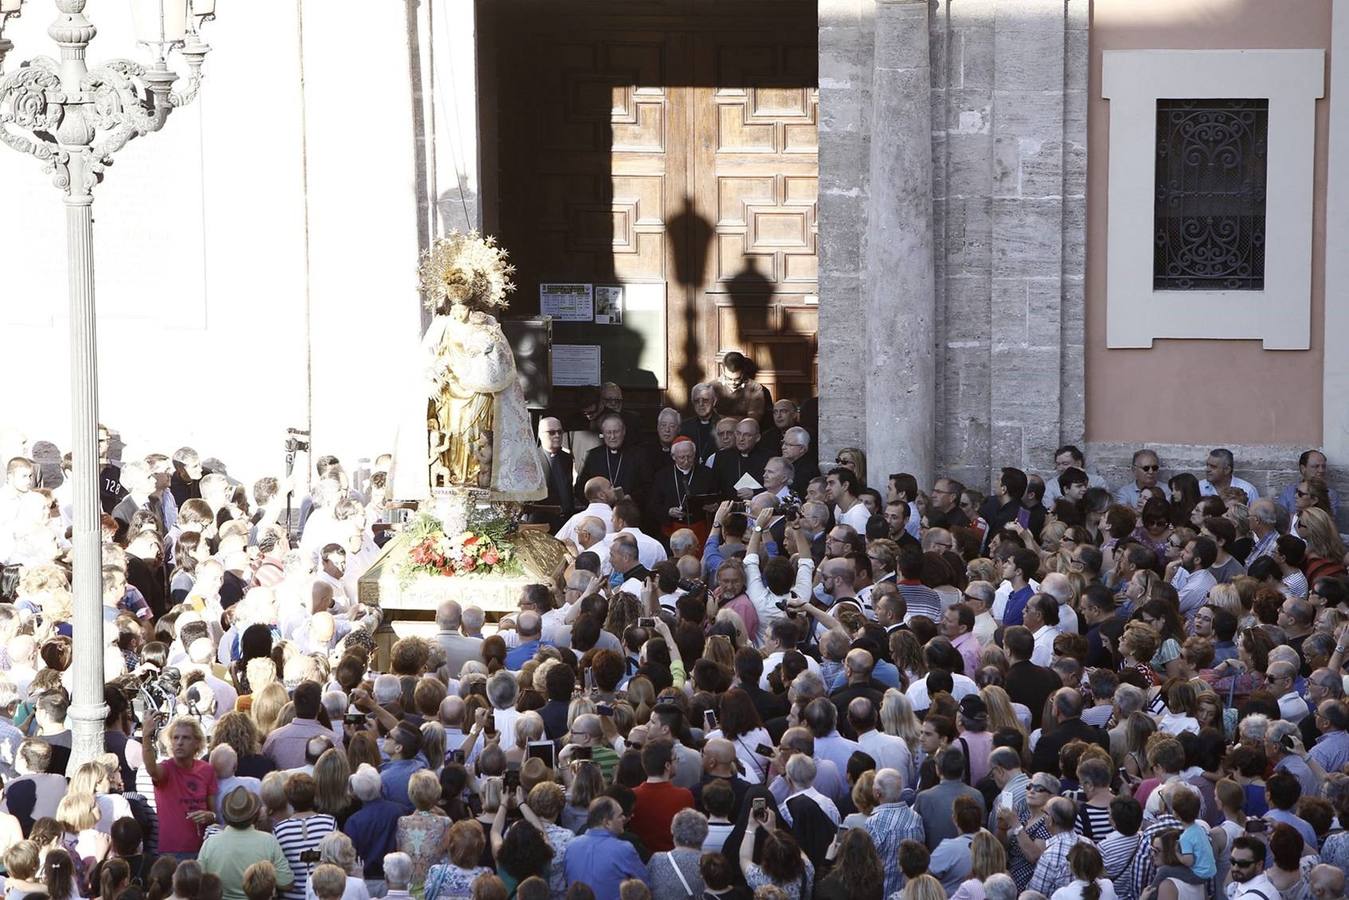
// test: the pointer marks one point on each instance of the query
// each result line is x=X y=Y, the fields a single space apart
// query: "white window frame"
x=1133 y=81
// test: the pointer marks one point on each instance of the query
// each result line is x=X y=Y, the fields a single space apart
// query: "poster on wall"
x=608 y=304
x=576 y=365
x=567 y=302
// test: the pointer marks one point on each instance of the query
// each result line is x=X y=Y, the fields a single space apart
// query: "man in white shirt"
x=888 y=751
x=1056 y=585
x=627 y=519
x=1042 y=618
x=1218 y=467
x=1248 y=880
x=842 y=488
x=979 y=596
x=1279 y=678
x=599 y=495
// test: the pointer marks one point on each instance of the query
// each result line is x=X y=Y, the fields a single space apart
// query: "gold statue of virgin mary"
x=478 y=428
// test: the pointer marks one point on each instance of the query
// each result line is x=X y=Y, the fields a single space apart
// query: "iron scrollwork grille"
x=1209 y=218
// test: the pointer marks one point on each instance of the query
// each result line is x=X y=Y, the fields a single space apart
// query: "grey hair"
x=801 y=770
x=335 y=704
x=889 y=785
x=448 y=615
x=387 y=689
x=807 y=685
x=365 y=783
x=593 y=526
x=1253 y=727
x=682 y=541
x=1062 y=812
x=337 y=848
x=398 y=871
x=502 y=690
x=798 y=434
x=473 y=617
x=1278 y=730
x=996 y=887
x=689 y=828
x=1129 y=699
x=983 y=590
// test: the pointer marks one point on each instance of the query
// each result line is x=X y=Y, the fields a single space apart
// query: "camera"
x=354 y=719
x=512 y=780
x=689 y=585
x=293 y=442
x=646 y=622
x=737 y=507
x=159 y=694
x=309 y=857
x=791 y=508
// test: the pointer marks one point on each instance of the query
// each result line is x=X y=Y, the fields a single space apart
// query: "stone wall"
x=1007 y=90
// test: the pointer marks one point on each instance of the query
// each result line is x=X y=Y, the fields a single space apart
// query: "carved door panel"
x=757 y=168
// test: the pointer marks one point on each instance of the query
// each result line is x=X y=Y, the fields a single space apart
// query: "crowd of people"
x=751 y=677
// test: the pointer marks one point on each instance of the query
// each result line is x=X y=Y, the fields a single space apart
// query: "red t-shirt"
x=657 y=803
x=179 y=792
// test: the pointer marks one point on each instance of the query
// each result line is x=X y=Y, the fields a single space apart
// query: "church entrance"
x=666 y=148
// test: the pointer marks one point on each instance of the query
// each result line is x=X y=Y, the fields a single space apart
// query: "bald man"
x=1326 y=882
x=599 y=498
x=529 y=626
x=719 y=761
x=857 y=668
x=748 y=456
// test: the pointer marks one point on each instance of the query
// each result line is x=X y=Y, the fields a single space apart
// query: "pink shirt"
x=969 y=648
x=179 y=792
x=743 y=607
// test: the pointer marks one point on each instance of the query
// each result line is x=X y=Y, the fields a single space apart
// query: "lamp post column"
x=73 y=32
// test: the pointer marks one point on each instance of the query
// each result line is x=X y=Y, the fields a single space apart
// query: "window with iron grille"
x=1209 y=214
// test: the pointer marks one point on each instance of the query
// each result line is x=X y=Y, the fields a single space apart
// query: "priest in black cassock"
x=747 y=458
x=618 y=459
x=672 y=498
x=701 y=426
x=557 y=472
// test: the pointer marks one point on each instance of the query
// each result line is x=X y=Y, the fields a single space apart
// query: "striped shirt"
x=888 y=825
x=1117 y=851
x=919 y=600
x=1051 y=871
x=296 y=835
x=1093 y=822
x=1140 y=872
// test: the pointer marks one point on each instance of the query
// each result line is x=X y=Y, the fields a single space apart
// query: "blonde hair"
x=77 y=811
x=267 y=706
x=1226 y=596
x=898 y=719
x=1000 y=712
x=90 y=778
x=332 y=772
x=273 y=793
x=423 y=789
x=1315 y=526
x=864 y=792
x=859 y=465
x=924 y=887
x=987 y=856
x=328 y=882
x=260 y=671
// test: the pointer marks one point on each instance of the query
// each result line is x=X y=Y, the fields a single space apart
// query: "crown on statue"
x=465 y=268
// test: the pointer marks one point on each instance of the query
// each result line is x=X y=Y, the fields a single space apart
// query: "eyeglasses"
x=1243 y=863
x=1152 y=468
x=842 y=461
x=1038 y=789
x=943 y=546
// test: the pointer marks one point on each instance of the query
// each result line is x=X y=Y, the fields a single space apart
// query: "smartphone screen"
x=759 y=808
x=490 y=726
x=544 y=750
x=709 y=720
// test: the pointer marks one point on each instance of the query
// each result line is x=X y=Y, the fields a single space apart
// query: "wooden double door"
x=670 y=143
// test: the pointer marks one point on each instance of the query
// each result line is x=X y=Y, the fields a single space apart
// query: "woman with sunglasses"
x=1025 y=828
x=1325 y=550
x=1154 y=527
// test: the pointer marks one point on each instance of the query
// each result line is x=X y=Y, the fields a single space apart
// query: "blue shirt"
x=516 y=657
x=602 y=860
x=394 y=776
x=1331 y=750
x=373 y=830
x=1015 y=611
x=1303 y=827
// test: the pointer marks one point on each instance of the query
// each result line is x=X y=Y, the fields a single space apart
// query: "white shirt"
x=961 y=687
x=1257 y=886
x=1292 y=708
x=890 y=752
x=985 y=626
x=1206 y=488
x=766 y=602
x=1044 y=645
x=1068 y=619
x=826 y=805
x=602 y=511
x=1073 y=890
x=755 y=765
x=649 y=550
x=775 y=659
x=856 y=516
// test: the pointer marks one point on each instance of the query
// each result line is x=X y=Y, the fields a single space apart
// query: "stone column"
x=899 y=294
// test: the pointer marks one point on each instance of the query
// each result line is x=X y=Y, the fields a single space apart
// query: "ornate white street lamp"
x=74 y=120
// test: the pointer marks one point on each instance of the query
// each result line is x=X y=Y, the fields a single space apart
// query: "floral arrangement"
x=465 y=268
x=480 y=549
